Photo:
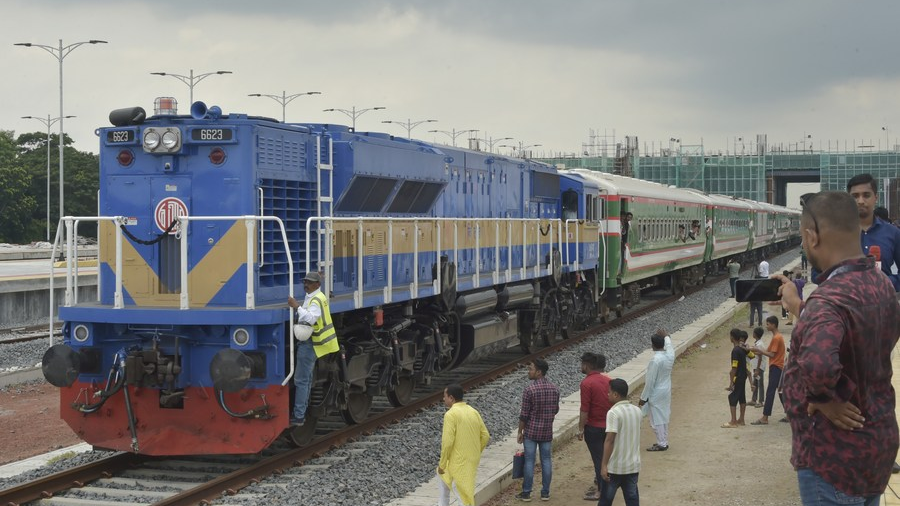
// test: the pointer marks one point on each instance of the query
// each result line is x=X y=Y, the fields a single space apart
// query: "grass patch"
x=62 y=456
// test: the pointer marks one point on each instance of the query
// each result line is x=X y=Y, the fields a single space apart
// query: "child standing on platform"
x=758 y=383
x=737 y=392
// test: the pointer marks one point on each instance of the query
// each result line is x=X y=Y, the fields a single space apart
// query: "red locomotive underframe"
x=201 y=427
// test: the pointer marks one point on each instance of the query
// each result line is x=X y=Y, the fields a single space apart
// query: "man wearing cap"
x=322 y=341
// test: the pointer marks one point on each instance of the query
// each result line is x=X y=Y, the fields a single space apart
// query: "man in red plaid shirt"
x=540 y=404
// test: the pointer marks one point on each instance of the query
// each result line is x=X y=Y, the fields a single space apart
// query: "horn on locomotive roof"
x=200 y=111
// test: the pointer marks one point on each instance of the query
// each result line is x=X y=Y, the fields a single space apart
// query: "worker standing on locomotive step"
x=321 y=341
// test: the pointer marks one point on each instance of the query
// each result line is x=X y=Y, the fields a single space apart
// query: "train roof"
x=622 y=185
x=720 y=200
x=585 y=182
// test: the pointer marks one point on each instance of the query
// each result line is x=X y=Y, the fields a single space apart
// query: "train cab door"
x=569 y=205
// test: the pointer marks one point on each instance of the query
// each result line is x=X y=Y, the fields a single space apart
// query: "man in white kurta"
x=656 y=399
x=464 y=438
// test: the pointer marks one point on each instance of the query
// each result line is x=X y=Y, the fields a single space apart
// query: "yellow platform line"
x=91 y=262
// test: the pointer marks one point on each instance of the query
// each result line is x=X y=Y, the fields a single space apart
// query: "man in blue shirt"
x=873 y=230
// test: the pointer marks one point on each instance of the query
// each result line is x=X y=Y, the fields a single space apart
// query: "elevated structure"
x=756 y=175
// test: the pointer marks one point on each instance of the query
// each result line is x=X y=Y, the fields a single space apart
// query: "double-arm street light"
x=409 y=125
x=60 y=54
x=491 y=142
x=191 y=80
x=453 y=134
x=521 y=148
x=354 y=113
x=48 y=123
x=284 y=99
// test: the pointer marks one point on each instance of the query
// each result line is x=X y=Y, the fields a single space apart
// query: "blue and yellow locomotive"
x=430 y=256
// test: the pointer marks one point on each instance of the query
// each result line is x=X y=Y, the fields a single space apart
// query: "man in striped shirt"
x=622 y=449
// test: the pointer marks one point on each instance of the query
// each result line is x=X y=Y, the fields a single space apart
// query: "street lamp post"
x=284 y=99
x=673 y=141
x=60 y=54
x=492 y=141
x=353 y=113
x=191 y=80
x=887 y=138
x=521 y=148
x=48 y=123
x=453 y=134
x=410 y=124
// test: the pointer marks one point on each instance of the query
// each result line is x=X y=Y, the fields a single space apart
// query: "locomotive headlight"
x=81 y=333
x=170 y=140
x=151 y=140
x=241 y=337
x=162 y=140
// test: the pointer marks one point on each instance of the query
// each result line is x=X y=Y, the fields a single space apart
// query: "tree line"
x=23 y=186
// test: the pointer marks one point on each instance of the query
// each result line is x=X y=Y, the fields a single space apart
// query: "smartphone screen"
x=757 y=290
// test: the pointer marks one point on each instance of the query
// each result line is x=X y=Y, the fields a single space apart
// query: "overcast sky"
x=542 y=72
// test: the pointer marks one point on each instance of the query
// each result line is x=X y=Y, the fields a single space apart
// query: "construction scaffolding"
x=750 y=175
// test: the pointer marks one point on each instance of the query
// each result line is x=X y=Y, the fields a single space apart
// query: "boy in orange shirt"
x=775 y=352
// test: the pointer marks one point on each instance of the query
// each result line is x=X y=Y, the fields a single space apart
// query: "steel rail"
x=46 y=487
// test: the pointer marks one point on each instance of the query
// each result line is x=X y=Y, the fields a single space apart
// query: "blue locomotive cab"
x=200 y=228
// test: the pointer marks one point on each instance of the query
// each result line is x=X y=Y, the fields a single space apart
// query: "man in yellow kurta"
x=462 y=442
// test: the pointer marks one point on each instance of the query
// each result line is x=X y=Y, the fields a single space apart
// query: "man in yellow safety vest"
x=320 y=342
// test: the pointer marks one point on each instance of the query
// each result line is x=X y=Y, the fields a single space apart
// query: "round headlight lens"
x=241 y=337
x=151 y=140
x=81 y=333
x=170 y=139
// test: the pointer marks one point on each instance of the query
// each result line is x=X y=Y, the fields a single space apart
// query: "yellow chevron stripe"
x=204 y=281
x=218 y=265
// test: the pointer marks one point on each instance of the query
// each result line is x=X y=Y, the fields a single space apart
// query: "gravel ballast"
x=394 y=461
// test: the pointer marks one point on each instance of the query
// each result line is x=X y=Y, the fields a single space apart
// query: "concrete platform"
x=31 y=253
x=27 y=298
x=495 y=470
x=16 y=468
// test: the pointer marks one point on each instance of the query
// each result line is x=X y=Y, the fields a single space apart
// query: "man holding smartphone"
x=837 y=385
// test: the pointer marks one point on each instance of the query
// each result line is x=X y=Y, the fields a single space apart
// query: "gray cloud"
x=539 y=71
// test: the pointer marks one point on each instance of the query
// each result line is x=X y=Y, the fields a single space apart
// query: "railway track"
x=134 y=479
x=29 y=333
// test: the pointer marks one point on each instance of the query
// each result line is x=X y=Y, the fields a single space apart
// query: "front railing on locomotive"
x=71 y=293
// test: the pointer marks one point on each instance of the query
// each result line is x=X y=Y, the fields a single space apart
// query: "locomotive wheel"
x=402 y=393
x=357 y=409
x=550 y=319
x=303 y=434
x=526 y=332
x=568 y=316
